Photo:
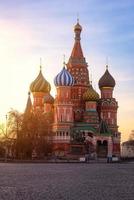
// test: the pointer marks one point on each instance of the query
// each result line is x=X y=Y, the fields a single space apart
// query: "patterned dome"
x=90 y=94
x=64 y=78
x=48 y=99
x=106 y=80
x=40 y=84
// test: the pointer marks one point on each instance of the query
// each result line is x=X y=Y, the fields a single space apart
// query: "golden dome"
x=78 y=27
x=90 y=94
x=40 y=84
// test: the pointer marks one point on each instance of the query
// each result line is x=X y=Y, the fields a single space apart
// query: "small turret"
x=48 y=103
x=39 y=87
x=106 y=84
x=28 y=108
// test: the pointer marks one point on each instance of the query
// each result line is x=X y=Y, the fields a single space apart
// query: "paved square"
x=67 y=181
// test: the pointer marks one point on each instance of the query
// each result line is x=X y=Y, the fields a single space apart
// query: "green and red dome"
x=90 y=94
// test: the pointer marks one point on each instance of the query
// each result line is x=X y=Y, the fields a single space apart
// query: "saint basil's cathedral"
x=83 y=121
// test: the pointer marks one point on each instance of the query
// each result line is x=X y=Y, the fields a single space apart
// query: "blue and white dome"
x=64 y=78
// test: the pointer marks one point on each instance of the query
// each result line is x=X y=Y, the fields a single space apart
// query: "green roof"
x=83 y=126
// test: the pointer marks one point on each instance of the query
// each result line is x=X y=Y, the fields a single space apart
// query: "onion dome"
x=106 y=80
x=91 y=94
x=77 y=30
x=77 y=27
x=48 y=99
x=64 y=78
x=40 y=84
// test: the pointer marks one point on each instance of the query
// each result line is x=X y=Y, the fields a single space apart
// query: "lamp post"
x=6 y=125
x=6 y=141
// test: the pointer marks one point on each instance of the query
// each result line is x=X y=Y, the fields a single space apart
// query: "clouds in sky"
x=31 y=29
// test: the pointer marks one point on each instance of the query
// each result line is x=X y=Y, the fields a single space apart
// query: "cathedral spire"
x=107 y=62
x=28 y=108
x=77 y=30
x=40 y=64
x=64 y=63
x=77 y=65
x=77 y=50
x=77 y=17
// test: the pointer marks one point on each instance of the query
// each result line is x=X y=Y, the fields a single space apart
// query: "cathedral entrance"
x=102 y=148
x=89 y=148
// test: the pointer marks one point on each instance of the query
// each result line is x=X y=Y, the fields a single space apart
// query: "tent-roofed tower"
x=78 y=68
x=77 y=65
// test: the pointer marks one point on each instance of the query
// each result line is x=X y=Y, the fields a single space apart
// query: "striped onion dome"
x=106 y=80
x=91 y=94
x=40 y=84
x=64 y=78
x=48 y=98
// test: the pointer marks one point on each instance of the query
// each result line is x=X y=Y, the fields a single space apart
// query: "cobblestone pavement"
x=67 y=181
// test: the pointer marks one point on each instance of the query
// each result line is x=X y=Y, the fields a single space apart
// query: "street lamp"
x=6 y=125
x=6 y=141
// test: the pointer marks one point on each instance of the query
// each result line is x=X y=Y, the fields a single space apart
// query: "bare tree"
x=14 y=123
x=30 y=132
x=2 y=139
x=6 y=140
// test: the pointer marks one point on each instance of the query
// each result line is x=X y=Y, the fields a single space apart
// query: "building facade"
x=84 y=122
x=127 y=149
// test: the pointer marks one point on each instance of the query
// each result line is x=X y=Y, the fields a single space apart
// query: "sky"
x=30 y=29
